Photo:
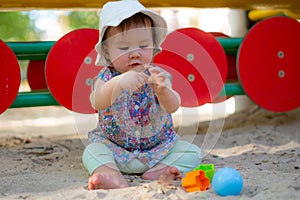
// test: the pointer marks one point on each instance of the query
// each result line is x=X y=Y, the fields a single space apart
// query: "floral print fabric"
x=134 y=126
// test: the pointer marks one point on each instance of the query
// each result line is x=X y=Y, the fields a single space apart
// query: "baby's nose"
x=134 y=54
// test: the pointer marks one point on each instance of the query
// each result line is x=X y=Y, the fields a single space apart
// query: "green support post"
x=230 y=45
x=231 y=89
x=39 y=50
x=45 y=98
x=33 y=99
x=31 y=50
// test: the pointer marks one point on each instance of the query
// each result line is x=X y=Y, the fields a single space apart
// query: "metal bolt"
x=281 y=73
x=280 y=54
x=190 y=57
x=88 y=60
x=191 y=77
x=89 y=81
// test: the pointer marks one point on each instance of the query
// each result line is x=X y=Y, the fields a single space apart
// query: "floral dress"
x=134 y=126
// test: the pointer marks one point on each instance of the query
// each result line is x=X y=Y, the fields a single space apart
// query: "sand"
x=41 y=148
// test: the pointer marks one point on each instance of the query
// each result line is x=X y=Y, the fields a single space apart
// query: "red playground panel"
x=83 y=83
x=36 y=75
x=10 y=76
x=231 y=63
x=67 y=81
x=269 y=65
x=231 y=60
x=197 y=63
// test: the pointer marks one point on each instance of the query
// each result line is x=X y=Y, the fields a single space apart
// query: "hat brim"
x=160 y=29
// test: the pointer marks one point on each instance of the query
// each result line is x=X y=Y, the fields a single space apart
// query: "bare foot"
x=155 y=173
x=106 y=177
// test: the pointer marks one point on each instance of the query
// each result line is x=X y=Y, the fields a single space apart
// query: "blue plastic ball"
x=227 y=181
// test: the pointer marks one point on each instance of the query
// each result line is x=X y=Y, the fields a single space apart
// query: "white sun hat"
x=113 y=13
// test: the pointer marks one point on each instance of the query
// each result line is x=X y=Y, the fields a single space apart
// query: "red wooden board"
x=197 y=63
x=10 y=76
x=36 y=75
x=83 y=83
x=231 y=63
x=269 y=64
x=231 y=60
x=65 y=78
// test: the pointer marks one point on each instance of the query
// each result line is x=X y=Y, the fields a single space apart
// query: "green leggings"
x=184 y=156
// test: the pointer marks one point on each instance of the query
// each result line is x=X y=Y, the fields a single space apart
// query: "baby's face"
x=129 y=49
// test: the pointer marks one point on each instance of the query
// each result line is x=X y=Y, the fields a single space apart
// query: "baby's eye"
x=124 y=48
x=143 y=46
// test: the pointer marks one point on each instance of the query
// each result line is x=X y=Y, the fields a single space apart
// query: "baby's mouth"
x=137 y=67
x=135 y=64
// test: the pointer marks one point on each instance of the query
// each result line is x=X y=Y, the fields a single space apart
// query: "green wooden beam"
x=230 y=45
x=232 y=89
x=31 y=50
x=45 y=98
x=34 y=99
x=39 y=50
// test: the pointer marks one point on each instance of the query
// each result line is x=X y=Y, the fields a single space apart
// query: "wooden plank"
x=96 y=4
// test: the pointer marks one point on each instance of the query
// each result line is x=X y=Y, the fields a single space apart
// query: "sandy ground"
x=41 y=148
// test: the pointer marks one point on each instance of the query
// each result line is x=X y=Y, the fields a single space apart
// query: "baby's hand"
x=132 y=80
x=157 y=79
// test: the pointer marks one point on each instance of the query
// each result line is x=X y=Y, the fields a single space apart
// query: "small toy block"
x=195 y=181
x=209 y=170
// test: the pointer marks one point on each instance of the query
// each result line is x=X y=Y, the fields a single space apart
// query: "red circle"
x=231 y=62
x=10 y=76
x=199 y=60
x=83 y=84
x=63 y=63
x=36 y=75
x=231 y=59
x=268 y=64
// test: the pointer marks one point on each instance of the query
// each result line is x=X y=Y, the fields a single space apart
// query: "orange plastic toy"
x=209 y=170
x=195 y=181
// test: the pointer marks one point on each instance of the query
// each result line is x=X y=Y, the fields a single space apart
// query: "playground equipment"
x=268 y=64
x=96 y=4
x=266 y=61
x=36 y=75
x=69 y=69
x=10 y=76
x=197 y=63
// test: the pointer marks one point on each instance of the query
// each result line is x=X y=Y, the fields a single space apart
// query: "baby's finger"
x=139 y=68
x=154 y=70
x=160 y=77
x=142 y=78
x=147 y=66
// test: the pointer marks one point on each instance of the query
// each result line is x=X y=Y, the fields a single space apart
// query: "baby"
x=134 y=99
